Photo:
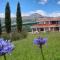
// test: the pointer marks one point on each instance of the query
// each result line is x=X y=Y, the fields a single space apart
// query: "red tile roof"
x=45 y=25
x=49 y=19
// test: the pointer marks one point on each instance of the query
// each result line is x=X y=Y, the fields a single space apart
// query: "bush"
x=18 y=36
x=15 y=35
x=5 y=36
x=24 y=32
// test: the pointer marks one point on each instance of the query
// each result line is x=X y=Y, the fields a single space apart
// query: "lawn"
x=26 y=50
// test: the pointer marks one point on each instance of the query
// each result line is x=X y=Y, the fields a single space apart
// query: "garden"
x=19 y=44
x=25 y=49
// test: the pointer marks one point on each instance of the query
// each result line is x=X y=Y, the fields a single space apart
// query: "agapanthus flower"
x=40 y=41
x=5 y=46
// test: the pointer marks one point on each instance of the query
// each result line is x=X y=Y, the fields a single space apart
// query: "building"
x=47 y=24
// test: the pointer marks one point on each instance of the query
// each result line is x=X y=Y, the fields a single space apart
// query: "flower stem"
x=4 y=57
x=42 y=53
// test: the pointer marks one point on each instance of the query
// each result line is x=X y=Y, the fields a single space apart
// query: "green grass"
x=26 y=50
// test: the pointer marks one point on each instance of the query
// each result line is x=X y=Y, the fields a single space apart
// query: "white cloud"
x=36 y=11
x=41 y=12
x=25 y=14
x=54 y=14
x=13 y=15
x=42 y=1
x=44 y=13
x=58 y=2
x=2 y=15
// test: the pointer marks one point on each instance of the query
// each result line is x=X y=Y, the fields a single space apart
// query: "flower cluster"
x=5 y=46
x=40 y=41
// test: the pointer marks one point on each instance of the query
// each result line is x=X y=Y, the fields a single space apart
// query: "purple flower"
x=40 y=41
x=5 y=46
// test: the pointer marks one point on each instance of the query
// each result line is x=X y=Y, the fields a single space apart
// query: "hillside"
x=31 y=18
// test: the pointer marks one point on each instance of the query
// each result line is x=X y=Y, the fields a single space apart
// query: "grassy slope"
x=26 y=50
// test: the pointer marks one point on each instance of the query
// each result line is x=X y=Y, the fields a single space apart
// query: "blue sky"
x=44 y=7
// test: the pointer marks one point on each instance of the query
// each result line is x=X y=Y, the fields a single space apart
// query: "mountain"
x=31 y=18
x=36 y=15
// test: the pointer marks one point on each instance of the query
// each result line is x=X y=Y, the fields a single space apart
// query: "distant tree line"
x=8 y=19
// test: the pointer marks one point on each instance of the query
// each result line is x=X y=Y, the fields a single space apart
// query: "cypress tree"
x=19 y=18
x=7 y=18
x=0 y=28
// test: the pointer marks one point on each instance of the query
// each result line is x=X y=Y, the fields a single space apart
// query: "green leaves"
x=7 y=18
x=18 y=18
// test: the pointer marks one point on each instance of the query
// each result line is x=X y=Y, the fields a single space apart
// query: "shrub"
x=18 y=36
x=15 y=35
x=5 y=36
x=24 y=32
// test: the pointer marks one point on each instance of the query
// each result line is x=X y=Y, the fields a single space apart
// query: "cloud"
x=13 y=15
x=41 y=12
x=2 y=15
x=58 y=2
x=55 y=14
x=42 y=1
x=44 y=13
x=25 y=14
x=36 y=11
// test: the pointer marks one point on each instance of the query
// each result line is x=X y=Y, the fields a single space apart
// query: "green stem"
x=42 y=53
x=4 y=57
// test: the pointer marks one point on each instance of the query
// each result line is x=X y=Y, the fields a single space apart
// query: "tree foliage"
x=19 y=18
x=7 y=18
x=0 y=28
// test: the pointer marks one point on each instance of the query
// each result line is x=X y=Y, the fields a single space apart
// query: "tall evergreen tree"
x=19 y=18
x=0 y=28
x=7 y=18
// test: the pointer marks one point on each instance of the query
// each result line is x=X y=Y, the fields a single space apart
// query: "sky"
x=43 y=7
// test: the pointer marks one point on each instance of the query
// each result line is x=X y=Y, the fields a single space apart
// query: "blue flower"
x=40 y=41
x=5 y=46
